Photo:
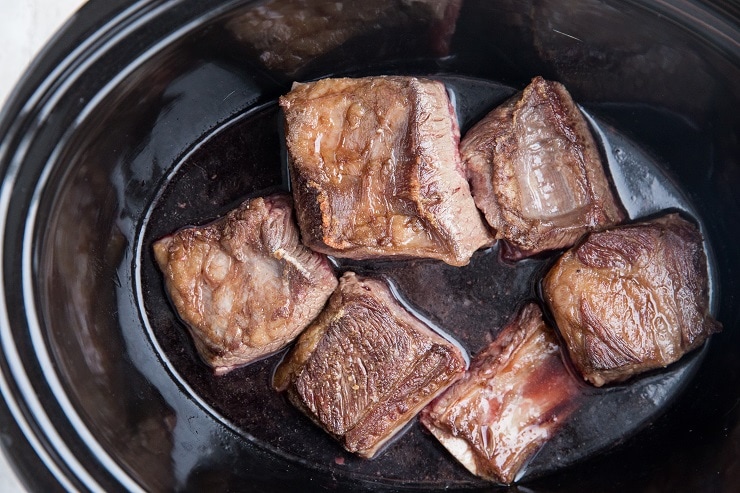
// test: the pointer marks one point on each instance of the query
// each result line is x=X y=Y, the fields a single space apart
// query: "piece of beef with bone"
x=632 y=299
x=513 y=398
x=244 y=285
x=366 y=366
x=535 y=172
x=376 y=171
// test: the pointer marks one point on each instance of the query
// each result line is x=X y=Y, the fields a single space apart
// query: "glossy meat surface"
x=535 y=172
x=376 y=171
x=632 y=299
x=366 y=366
x=244 y=285
x=513 y=398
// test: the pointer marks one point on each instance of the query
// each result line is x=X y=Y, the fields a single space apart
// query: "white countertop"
x=25 y=26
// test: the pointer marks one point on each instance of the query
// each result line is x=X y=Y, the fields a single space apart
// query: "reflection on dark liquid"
x=87 y=248
x=286 y=35
x=621 y=63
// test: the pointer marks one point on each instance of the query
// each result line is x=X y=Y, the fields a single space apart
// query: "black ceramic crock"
x=142 y=117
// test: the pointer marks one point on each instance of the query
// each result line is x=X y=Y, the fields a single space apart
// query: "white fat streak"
x=282 y=254
x=317 y=144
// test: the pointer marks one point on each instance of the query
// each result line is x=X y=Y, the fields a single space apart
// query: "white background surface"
x=25 y=26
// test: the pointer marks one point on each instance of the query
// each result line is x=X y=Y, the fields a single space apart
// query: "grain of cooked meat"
x=535 y=172
x=632 y=298
x=244 y=285
x=513 y=398
x=366 y=366
x=376 y=171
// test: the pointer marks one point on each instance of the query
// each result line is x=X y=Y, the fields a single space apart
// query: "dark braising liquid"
x=246 y=157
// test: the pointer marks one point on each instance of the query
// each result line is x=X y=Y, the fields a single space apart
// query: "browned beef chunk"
x=244 y=285
x=376 y=171
x=632 y=298
x=511 y=401
x=535 y=172
x=366 y=366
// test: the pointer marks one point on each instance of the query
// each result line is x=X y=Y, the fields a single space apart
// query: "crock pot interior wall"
x=664 y=78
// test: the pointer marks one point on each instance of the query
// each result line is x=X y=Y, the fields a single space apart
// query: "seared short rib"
x=376 y=171
x=513 y=398
x=535 y=172
x=244 y=285
x=632 y=298
x=366 y=366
